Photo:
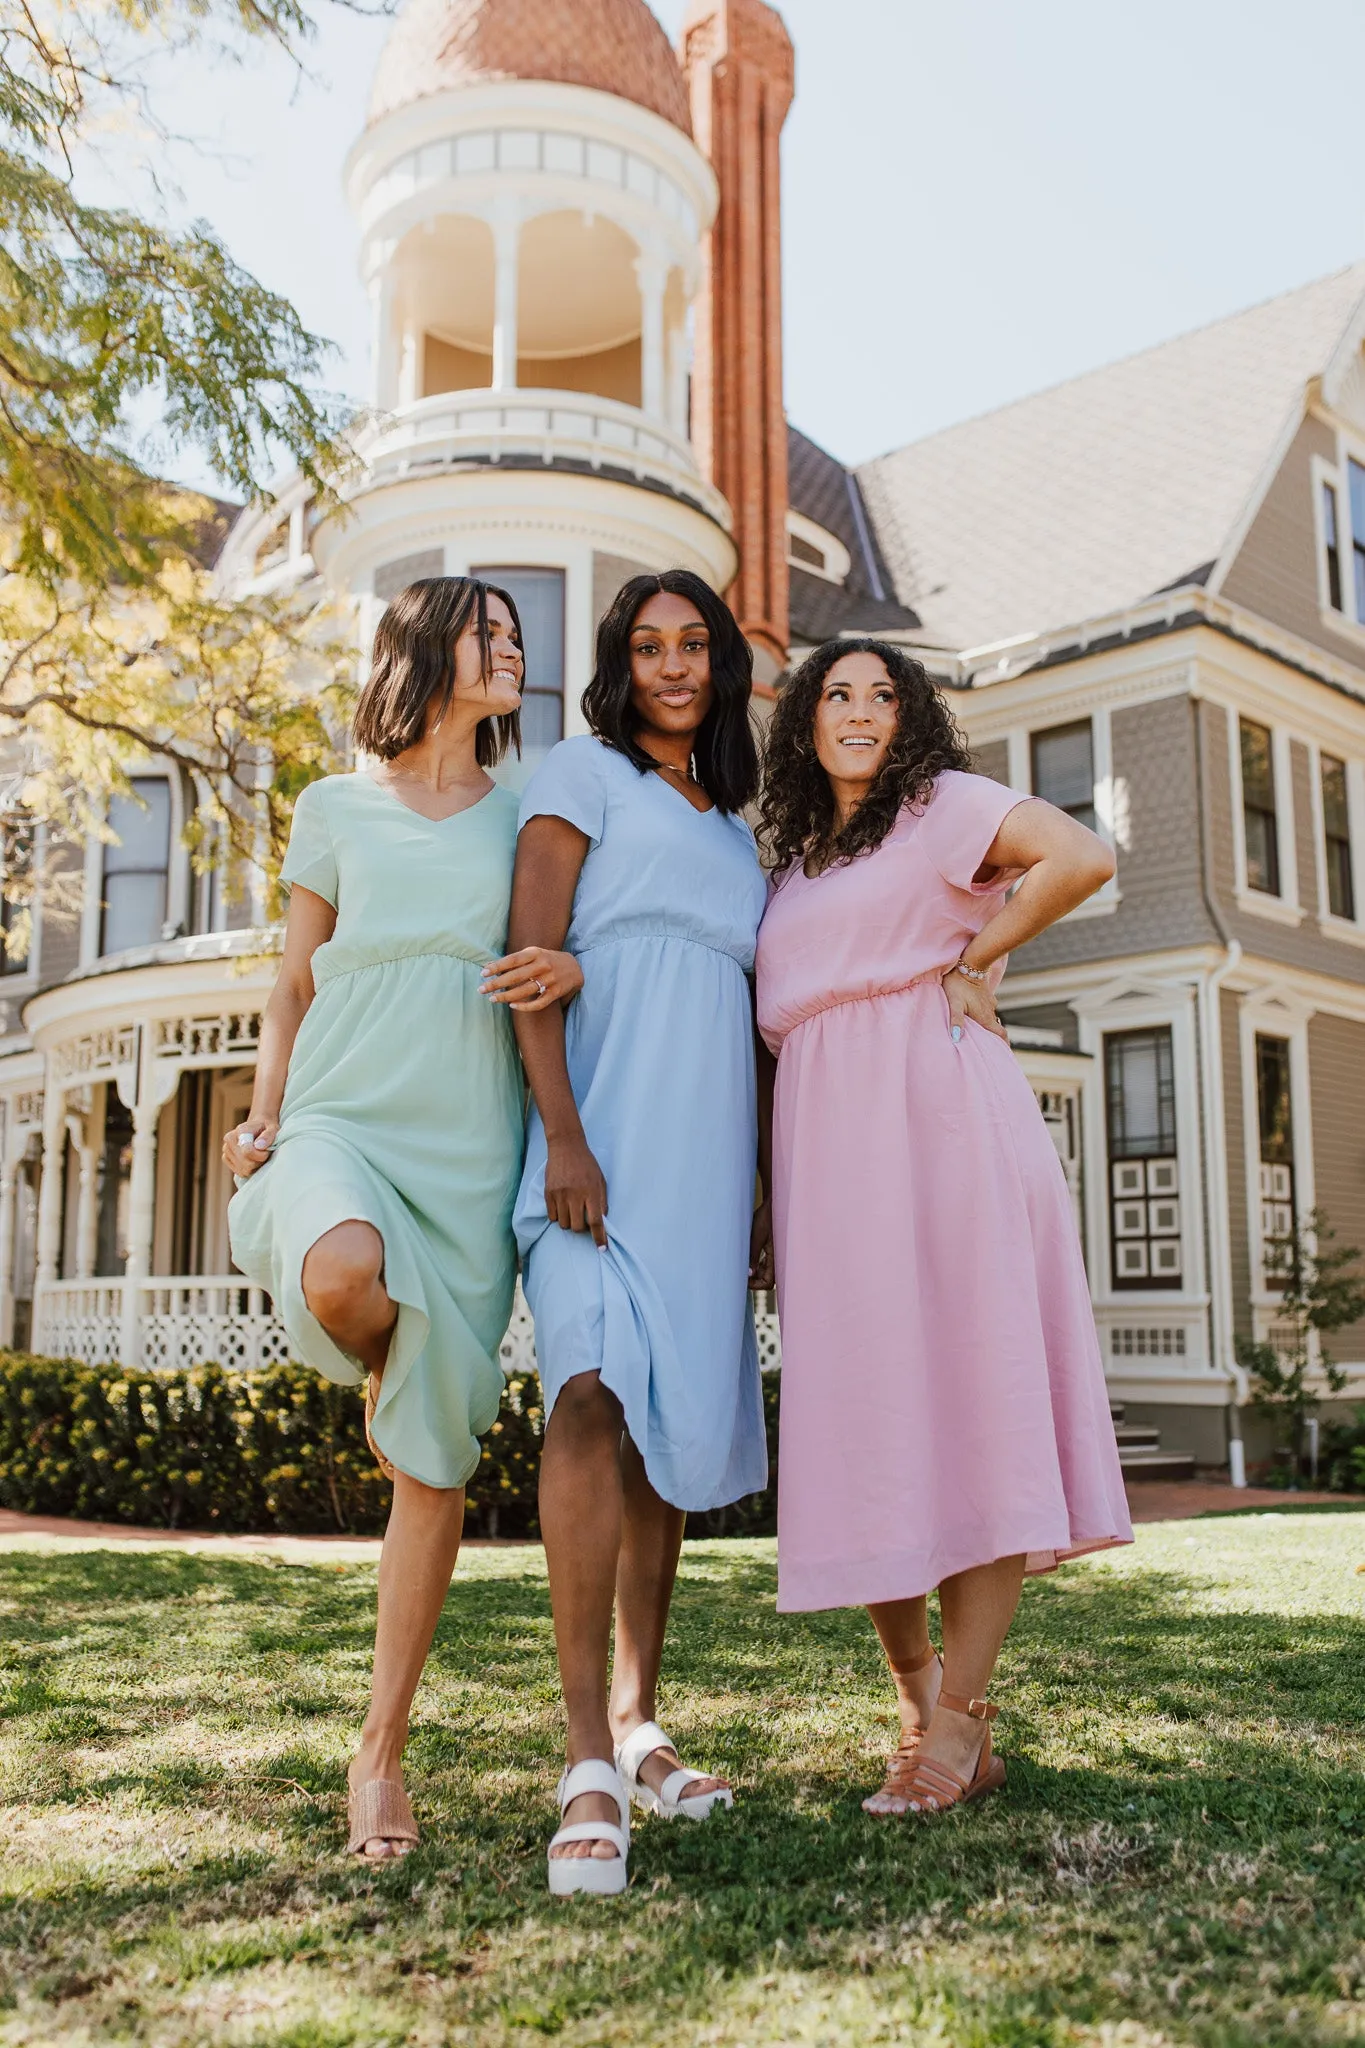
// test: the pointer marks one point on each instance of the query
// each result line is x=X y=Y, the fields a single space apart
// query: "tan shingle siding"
x=1305 y=830
x=1161 y=900
x=1336 y=1071
x=1275 y=572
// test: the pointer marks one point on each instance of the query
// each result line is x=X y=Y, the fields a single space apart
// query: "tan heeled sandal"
x=379 y=1812
x=371 y=1403
x=934 y=1787
x=901 y=1761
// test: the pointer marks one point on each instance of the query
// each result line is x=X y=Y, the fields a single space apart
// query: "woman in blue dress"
x=636 y=1217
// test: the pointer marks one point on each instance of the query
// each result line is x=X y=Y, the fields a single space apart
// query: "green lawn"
x=1179 y=1856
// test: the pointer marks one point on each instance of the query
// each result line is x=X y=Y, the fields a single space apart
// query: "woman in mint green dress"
x=379 y=1165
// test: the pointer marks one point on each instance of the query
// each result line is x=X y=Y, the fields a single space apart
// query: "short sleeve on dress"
x=956 y=831
x=568 y=784
x=311 y=859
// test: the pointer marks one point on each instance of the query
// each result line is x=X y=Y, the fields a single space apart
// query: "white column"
x=506 y=281
x=8 y=1171
x=141 y=1219
x=383 y=367
x=90 y=1143
x=678 y=366
x=410 y=364
x=49 y=1200
x=652 y=275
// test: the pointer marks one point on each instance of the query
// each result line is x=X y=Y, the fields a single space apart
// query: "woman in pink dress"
x=944 y=1415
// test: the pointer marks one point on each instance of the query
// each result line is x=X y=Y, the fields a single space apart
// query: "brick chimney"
x=740 y=69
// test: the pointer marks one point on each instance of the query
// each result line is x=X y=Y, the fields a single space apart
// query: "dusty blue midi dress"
x=403 y=1109
x=661 y=1059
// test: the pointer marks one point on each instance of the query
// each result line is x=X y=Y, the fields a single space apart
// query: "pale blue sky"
x=981 y=197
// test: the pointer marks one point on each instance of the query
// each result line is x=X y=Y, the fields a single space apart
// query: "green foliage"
x=1324 y=1291
x=1342 y=1461
x=281 y=1449
x=1177 y=1860
x=100 y=307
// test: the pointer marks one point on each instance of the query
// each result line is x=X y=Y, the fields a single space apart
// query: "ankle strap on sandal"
x=980 y=1710
x=915 y=1664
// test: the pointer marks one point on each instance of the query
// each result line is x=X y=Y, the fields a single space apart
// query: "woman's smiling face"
x=498 y=694
x=856 y=719
x=670 y=666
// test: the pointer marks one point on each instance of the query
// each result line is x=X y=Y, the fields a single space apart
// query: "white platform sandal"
x=671 y=1799
x=605 y=1875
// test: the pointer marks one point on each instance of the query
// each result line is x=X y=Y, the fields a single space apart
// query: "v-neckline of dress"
x=711 y=808
x=450 y=816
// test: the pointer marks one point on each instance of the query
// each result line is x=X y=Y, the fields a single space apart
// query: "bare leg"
x=903 y=1626
x=421 y=1544
x=343 y=1285
x=978 y=1607
x=580 y=1520
x=651 y=1540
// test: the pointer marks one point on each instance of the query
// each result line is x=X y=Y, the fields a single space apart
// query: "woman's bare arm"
x=1064 y=863
x=311 y=923
x=550 y=857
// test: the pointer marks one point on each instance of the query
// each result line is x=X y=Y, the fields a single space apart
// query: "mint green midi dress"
x=403 y=1109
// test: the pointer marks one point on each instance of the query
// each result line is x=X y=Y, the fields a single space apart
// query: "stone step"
x=1149 y=1464
x=1117 y=1412
x=1135 y=1434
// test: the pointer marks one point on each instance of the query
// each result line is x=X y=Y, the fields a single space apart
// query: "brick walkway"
x=1151 y=1500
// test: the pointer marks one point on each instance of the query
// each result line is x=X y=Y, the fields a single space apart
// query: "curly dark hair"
x=796 y=813
x=725 y=751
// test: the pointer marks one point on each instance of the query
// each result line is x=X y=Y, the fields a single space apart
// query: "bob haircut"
x=797 y=811
x=414 y=661
x=725 y=752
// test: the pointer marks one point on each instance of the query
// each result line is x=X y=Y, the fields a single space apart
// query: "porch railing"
x=185 y=1320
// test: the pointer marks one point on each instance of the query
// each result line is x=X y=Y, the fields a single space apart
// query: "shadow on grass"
x=1169 y=1769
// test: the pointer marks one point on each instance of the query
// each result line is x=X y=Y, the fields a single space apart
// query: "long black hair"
x=724 y=749
x=414 y=661
x=797 y=812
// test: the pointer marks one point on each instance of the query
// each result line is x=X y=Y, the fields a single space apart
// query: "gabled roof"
x=1103 y=490
x=820 y=486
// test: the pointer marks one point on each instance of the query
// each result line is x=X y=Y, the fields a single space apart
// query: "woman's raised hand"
x=247 y=1148
x=576 y=1189
x=972 y=999
x=532 y=979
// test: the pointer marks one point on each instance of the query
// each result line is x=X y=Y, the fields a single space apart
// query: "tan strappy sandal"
x=380 y=1811
x=901 y=1760
x=371 y=1403
x=934 y=1787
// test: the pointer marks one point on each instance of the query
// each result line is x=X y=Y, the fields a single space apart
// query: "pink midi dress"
x=943 y=1400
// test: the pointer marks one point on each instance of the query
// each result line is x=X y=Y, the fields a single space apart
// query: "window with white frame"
x=1275 y=1117
x=1144 y=1167
x=1331 y=543
x=1063 y=769
x=1341 y=529
x=1336 y=835
x=134 y=893
x=1261 y=832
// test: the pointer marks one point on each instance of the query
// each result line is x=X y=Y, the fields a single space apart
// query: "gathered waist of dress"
x=328 y=968
x=868 y=995
x=581 y=947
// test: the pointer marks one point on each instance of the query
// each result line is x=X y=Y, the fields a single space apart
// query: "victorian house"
x=1145 y=590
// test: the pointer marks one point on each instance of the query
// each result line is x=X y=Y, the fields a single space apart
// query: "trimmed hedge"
x=279 y=1450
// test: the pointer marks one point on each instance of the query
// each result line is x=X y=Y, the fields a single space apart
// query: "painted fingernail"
x=957 y=1032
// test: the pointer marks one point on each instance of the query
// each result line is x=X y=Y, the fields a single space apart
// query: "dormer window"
x=1331 y=545
x=816 y=550
x=137 y=866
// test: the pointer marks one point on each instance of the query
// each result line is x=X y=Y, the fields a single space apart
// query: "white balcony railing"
x=546 y=427
x=186 y=1321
